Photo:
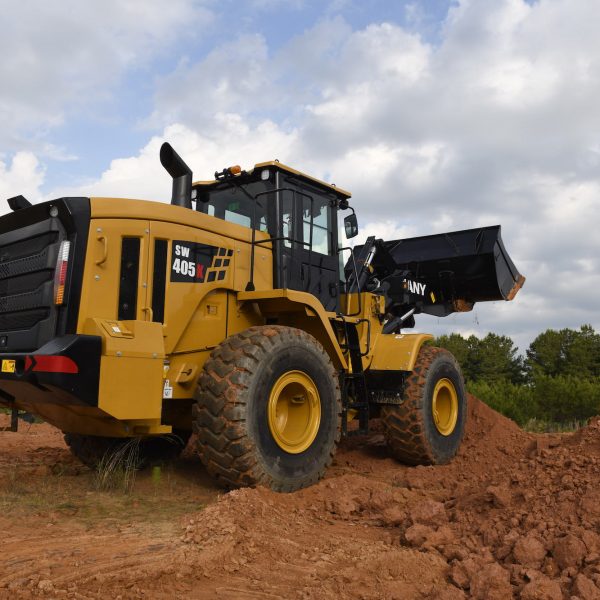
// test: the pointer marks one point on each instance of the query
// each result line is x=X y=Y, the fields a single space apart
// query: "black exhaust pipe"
x=181 y=174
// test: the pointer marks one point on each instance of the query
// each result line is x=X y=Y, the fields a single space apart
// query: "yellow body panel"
x=131 y=368
x=188 y=304
x=130 y=388
x=99 y=297
x=397 y=352
x=145 y=363
x=368 y=311
x=137 y=339
x=119 y=208
x=304 y=311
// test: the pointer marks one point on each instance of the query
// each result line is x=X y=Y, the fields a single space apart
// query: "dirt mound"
x=488 y=431
x=536 y=517
x=336 y=539
x=588 y=437
x=513 y=515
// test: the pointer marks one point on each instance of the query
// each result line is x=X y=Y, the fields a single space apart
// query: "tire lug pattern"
x=223 y=443
x=403 y=424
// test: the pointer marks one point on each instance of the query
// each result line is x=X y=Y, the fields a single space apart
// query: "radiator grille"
x=27 y=261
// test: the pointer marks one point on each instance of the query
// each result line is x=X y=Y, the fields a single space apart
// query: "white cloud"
x=231 y=141
x=387 y=230
x=232 y=78
x=520 y=83
x=496 y=123
x=23 y=175
x=64 y=55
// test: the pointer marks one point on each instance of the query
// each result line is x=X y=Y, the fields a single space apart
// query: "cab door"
x=308 y=259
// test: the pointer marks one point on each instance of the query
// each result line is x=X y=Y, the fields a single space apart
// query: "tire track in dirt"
x=55 y=562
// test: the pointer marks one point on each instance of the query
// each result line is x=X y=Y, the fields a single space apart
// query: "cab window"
x=318 y=209
x=233 y=205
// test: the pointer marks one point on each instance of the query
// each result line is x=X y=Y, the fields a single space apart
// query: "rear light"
x=60 y=274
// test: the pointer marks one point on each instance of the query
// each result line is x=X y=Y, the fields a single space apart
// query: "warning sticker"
x=8 y=366
x=197 y=263
x=167 y=390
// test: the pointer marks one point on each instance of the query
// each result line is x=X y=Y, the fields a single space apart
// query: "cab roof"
x=275 y=164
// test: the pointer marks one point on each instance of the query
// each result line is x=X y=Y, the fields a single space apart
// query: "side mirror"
x=351 y=226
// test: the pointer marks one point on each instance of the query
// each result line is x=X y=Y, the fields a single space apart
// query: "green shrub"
x=517 y=402
x=566 y=398
x=560 y=400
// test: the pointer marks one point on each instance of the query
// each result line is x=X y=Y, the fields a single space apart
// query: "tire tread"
x=403 y=424
x=219 y=413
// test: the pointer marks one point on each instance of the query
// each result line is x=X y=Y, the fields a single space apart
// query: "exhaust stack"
x=181 y=174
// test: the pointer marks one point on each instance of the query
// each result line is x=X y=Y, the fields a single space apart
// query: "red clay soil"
x=515 y=515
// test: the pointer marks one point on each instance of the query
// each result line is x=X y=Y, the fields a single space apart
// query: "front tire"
x=268 y=410
x=428 y=427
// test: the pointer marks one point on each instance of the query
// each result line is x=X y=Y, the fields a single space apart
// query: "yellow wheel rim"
x=445 y=406
x=294 y=412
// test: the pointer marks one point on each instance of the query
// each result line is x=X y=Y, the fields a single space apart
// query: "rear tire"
x=428 y=427
x=268 y=410
x=92 y=449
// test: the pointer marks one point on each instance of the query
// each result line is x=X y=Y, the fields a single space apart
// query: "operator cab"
x=297 y=211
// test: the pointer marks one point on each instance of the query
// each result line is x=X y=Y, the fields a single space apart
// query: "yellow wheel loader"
x=230 y=313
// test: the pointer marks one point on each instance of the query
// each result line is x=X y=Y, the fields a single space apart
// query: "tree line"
x=556 y=381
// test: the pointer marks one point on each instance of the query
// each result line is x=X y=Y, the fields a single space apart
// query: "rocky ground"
x=515 y=515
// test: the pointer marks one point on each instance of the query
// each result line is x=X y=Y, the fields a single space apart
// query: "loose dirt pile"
x=514 y=515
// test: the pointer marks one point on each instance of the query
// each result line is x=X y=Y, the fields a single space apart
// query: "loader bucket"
x=447 y=272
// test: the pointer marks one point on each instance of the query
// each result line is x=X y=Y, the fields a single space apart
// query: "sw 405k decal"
x=197 y=263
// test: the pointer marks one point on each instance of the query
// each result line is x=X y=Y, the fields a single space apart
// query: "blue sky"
x=437 y=115
x=96 y=133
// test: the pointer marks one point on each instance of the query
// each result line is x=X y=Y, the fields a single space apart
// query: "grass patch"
x=542 y=426
x=118 y=468
x=156 y=497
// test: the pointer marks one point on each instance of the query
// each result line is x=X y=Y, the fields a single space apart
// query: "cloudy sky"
x=437 y=115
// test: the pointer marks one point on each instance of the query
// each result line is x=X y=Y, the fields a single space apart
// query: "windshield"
x=233 y=205
x=304 y=219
